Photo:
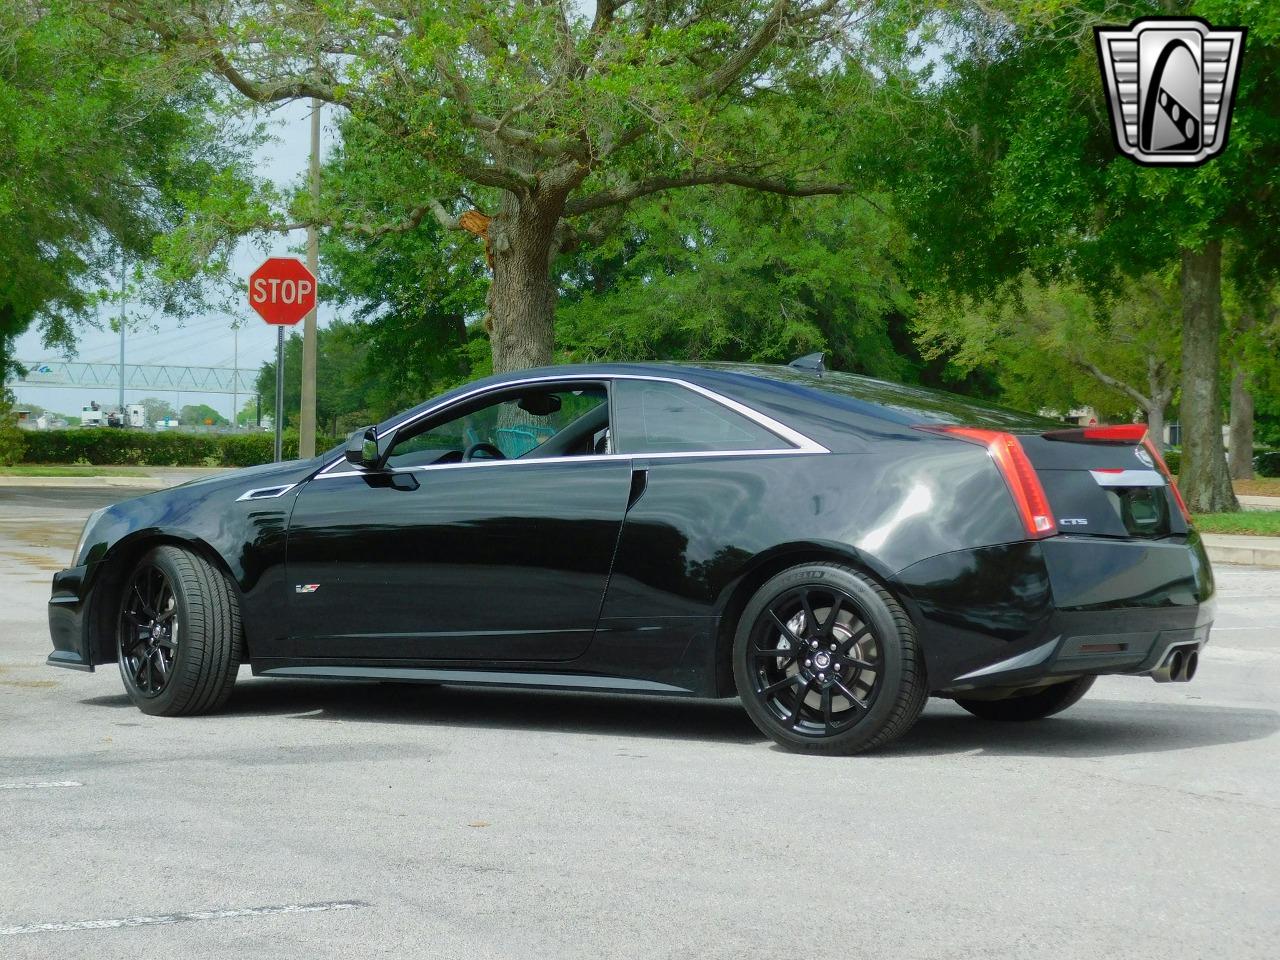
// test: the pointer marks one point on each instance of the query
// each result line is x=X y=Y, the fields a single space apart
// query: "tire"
x=1031 y=706
x=178 y=634
x=858 y=696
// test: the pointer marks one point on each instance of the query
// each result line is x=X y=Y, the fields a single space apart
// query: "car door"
x=436 y=558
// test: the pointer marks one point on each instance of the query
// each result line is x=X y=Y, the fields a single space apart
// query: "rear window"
x=921 y=404
x=655 y=417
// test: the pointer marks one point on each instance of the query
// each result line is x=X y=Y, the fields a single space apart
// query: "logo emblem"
x=1145 y=457
x=306 y=588
x=1170 y=84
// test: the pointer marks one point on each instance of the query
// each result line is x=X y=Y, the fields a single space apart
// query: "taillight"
x=1028 y=495
x=1164 y=470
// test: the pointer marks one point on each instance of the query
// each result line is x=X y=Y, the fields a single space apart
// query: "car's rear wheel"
x=178 y=637
x=826 y=661
x=1030 y=706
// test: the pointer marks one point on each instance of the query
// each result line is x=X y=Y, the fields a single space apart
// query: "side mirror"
x=362 y=449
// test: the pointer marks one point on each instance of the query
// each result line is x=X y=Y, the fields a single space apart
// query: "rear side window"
x=656 y=417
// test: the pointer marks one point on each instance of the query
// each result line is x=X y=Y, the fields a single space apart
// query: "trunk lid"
x=1106 y=481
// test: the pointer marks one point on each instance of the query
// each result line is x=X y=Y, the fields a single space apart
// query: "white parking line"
x=41 y=785
x=166 y=918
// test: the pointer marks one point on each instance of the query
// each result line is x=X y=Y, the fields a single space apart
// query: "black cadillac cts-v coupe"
x=830 y=548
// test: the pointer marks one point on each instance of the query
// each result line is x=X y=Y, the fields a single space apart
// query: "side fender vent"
x=266 y=493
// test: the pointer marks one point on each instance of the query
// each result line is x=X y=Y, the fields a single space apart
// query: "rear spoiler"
x=1120 y=433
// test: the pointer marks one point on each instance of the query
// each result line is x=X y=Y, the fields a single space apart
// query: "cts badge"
x=306 y=588
x=1170 y=83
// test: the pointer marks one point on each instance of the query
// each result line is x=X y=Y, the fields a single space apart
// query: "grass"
x=69 y=470
x=1258 y=487
x=1258 y=523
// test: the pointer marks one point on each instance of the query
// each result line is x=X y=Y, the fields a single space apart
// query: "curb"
x=1249 y=502
x=1265 y=552
x=137 y=483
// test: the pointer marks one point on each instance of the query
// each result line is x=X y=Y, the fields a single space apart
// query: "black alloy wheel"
x=826 y=661
x=178 y=637
x=150 y=630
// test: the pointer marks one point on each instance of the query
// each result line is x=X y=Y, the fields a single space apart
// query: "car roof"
x=794 y=396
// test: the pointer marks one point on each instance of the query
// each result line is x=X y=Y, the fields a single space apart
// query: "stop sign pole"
x=282 y=291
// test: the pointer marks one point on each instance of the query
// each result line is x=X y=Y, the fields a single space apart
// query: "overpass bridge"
x=156 y=378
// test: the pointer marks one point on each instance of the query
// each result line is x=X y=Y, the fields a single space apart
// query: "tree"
x=551 y=118
x=95 y=159
x=1016 y=133
x=715 y=275
x=1056 y=347
x=153 y=409
x=345 y=385
x=201 y=414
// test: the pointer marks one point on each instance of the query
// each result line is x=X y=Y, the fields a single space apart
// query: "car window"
x=656 y=417
x=565 y=421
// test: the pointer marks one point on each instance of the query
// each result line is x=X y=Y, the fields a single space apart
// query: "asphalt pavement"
x=319 y=820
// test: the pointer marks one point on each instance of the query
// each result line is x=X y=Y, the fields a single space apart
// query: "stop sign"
x=282 y=290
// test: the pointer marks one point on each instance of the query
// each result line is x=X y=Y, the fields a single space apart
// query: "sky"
x=206 y=341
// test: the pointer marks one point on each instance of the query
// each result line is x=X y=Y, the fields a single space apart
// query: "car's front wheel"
x=178 y=638
x=826 y=661
x=1030 y=706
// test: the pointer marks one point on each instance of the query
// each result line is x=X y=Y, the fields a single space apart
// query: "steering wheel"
x=482 y=446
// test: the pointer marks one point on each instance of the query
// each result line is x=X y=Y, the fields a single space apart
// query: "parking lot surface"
x=325 y=820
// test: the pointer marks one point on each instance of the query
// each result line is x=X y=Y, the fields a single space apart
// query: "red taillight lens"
x=1119 y=433
x=1164 y=469
x=1024 y=484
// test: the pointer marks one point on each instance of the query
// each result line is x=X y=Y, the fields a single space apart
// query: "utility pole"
x=124 y=272
x=235 y=377
x=307 y=431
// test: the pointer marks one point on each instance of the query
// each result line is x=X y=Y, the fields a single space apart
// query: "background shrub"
x=111 y=447
x=1173 y=457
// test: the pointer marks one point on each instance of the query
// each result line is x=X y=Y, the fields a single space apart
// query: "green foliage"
x=200 y=414
x=1267 y=463
x=103 y=446
x=722 y=275
x=95 y=156
x=1258 y=523
x=1056 y=346
x=1173 y=459
x=351 y=389
x=12 y=442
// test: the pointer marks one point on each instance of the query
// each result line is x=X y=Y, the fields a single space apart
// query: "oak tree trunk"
x=1155 y=424
x=1241 y=430
x=1240 y=435
x=1205 y=484
x=522 y=297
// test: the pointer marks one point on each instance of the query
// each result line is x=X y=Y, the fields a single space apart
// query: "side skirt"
x=487 y=678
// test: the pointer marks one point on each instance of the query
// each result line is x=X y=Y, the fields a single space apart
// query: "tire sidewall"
x=872 y=610
x=163 y=702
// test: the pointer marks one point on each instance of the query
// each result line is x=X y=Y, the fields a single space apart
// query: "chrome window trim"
x=263 y=493
x=800 y=442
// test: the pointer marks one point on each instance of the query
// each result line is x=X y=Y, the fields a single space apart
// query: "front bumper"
x=1061 y=607
x=67 y=622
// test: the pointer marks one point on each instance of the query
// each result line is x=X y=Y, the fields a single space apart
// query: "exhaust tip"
x=1176 y=664
x=1190 y=666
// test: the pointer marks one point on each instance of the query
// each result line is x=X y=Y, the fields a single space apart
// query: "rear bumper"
x=1061 y=607
x=67 y=620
